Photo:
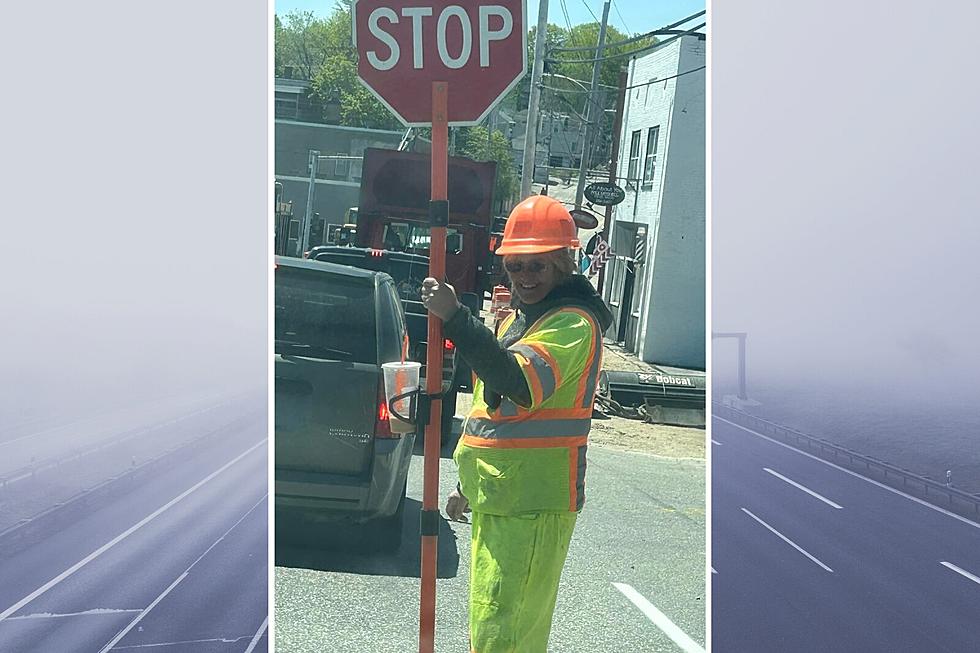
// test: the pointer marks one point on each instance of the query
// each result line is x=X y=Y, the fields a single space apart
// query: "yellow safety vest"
x=515 y=460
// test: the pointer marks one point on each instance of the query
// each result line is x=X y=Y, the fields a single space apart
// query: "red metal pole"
x=433 y=376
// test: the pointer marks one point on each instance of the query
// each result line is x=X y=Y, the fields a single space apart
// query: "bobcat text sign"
x=478 y=48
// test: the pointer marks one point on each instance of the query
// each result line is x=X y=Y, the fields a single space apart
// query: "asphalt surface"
x=643 y=526
x=881 y=572
x=179 y=562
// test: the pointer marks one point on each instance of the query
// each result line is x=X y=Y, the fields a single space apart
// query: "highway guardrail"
x=949 y=497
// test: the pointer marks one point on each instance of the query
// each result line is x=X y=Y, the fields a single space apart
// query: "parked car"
x=408 y=270
x=335 y=454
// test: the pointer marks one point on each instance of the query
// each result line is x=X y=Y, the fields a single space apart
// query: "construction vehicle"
x=391 y=234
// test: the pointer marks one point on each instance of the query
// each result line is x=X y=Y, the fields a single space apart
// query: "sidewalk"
x=636 y=435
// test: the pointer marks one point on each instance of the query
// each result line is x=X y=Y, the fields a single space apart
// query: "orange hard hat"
x=538 y=224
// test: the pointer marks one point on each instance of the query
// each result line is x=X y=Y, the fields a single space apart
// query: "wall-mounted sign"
x=604 y=193
x=584 y=219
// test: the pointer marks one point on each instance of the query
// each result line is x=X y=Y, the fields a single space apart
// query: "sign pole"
x=438 y=219
x=614 y=162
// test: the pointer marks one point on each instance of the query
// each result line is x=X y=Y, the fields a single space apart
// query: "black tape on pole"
x=429 y=522
x=439 y=213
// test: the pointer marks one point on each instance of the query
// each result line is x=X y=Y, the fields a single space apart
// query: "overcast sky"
x=135 y=243
x=845 y=202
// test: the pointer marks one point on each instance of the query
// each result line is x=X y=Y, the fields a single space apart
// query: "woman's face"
x=532 y=276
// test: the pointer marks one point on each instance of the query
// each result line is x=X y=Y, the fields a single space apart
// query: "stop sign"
x=478 y=47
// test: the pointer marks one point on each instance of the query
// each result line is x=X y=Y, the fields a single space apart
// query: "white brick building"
x=656 y=283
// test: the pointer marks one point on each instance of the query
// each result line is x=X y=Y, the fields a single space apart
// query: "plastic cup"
x=399 y=379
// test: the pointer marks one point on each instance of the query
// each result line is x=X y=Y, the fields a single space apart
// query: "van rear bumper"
x=341 y=497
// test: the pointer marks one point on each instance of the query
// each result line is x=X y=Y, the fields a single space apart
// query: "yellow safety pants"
x=515 y=567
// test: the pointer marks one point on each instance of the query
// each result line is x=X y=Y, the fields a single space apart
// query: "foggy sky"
x=135 y=245
x=845 y=229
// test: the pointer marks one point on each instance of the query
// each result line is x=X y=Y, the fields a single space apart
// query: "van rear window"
x=325 y=316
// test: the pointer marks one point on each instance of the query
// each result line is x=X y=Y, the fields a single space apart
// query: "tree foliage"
x=472 y=142
x=320 y=50
x=304 y=42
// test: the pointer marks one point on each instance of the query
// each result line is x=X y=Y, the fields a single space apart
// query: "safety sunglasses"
x=534 y=267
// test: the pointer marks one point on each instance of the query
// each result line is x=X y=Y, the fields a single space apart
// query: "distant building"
x=559 y=144
x=293 y=102
x=339 y=173
x=656 y=282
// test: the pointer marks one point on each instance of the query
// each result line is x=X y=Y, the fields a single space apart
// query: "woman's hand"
x=439 y=298
x=456 y=505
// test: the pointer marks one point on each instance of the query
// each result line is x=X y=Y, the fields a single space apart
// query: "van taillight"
x=382 y=425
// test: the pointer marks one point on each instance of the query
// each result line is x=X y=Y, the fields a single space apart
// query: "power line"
x=590 y=10
x=664 y=79
x=620 y=55
x=667 y=29
x=625 y=25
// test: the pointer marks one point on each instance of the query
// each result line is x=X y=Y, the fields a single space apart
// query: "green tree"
x=304 y=42
x=337 y=83
x=472 y=142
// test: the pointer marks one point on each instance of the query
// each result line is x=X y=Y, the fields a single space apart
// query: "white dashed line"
x=854 y=474
x=119 y=538
x=257 y=636
x=961 y=572
x=122 y=633
x=660 y=620
x=800 y=487
x=787 y=540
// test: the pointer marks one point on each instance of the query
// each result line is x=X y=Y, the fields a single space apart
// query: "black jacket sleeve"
x=497 y=367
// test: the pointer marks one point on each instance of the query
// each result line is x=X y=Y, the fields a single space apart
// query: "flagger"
x=521 y=455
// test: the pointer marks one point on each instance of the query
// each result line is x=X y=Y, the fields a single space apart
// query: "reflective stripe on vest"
x=563 y=423
x=543 y=370
x=530 y=428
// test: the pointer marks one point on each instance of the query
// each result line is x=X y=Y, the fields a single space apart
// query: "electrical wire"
x=657 y=81
x=691 y=31
x=661 y=30
x=625 y=24
x=590 y=10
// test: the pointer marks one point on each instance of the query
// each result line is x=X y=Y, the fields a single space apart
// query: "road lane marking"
x=84 y=613
x=787 y=540
x=962 y=572
x=119 y=538
x=800 y=487
x=132 y=624
x=660 y=620
x=142 y=614
x=183 y=643
x=854 y=474
x=258 y=635
x=713 y=441
x=713 y=570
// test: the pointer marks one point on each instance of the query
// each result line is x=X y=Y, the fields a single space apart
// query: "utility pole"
x=534 y=98
x=489 y=132
x=614 y=158
x=592 y=116
x=304 y=235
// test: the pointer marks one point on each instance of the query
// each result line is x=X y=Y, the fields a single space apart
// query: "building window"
x=555 y=161
x=341 y=167
x=650 y=161
x=634 y=157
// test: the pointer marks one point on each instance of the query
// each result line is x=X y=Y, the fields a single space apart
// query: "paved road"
x=179 y=563
x=810 y=557
x=643 y=526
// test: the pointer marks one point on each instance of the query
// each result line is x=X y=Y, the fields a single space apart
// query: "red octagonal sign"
x=478 y=47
